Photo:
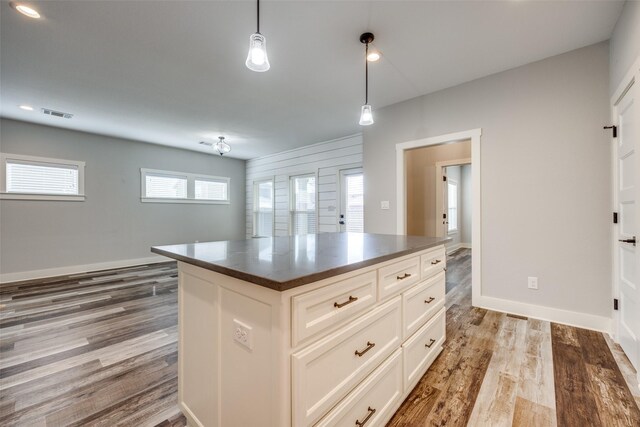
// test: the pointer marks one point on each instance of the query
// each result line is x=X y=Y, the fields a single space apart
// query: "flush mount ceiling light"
x=257 y=59
x=366 y=115
x=25 y=107
x=26 y=10
x=221 y=146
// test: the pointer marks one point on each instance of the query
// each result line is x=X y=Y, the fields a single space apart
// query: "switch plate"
x=384 y=204
x=243 y=334
x=532 y=282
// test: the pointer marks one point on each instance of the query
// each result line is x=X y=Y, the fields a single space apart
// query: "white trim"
x=476 y=254
x=4 y=195
x=185 y=201
x=626 y=82
x=566 y=317
x=76 y=269
x=453 y=248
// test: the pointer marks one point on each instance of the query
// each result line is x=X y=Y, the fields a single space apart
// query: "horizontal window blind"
x=163 y=186
x=303 y=215
x=452 y=201
x=263 y=209
x=41 y=178
x=211 y=189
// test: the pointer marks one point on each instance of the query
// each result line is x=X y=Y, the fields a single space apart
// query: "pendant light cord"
x=366 y=75
x=258 y=14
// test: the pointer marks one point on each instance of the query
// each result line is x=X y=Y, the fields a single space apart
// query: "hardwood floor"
x=100 y=349
x=501 y=370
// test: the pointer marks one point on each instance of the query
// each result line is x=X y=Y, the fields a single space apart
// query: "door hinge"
x=615 y=130
x=615 y=303
x=615 y=217
x=444 y=178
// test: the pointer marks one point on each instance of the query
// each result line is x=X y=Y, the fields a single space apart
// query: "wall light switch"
x=532 y=282
x=384 y=204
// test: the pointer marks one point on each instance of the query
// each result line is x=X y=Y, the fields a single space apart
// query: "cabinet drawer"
x=433 y=262
x=327 y=370
x=396 y=277
x=422 y=348
x=374 y=401
x=421 y=302
x=322 y=308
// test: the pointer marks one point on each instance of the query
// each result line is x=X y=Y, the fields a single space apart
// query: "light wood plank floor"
x=100 y=349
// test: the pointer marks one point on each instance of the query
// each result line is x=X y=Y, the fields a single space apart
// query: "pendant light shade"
x=366 y=113
x=221 y=146
x=257 y=59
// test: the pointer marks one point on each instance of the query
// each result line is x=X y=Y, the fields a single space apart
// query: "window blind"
x=163 y=186
x=263 y=209
x=211 y=189
x=41 y=178
x=355 y=203
x=303 y=215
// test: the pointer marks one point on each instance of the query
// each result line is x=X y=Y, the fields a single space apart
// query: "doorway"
x=351 y=213
x=474 y=136
x=454 y=204
x=626 y=179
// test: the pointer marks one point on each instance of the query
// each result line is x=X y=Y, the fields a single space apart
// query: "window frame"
x=292 y=199
x=37 y=161
x=191 y=179
x=454 y=183
x=256 y=183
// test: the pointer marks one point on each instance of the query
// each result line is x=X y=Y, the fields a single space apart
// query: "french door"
x=351 y=215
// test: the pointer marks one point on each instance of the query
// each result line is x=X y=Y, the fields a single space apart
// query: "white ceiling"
x=173 y=72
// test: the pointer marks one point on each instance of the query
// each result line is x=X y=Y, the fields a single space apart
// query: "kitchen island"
x=327 y=329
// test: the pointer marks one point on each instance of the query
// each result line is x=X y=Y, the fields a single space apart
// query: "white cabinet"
x=340 y=351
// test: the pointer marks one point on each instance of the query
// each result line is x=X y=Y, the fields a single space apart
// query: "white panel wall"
x=325 y=160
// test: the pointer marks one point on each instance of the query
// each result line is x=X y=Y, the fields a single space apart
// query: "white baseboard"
x=76 y=269
x=566 y=317
x=453 y=248
x=465 y=245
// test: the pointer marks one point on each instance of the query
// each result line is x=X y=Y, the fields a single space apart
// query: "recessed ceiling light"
x=26 y=107
x=26 y=10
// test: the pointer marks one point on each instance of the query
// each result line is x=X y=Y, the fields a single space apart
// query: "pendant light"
x=257 y=59
x=221 y=146
x=366 y=115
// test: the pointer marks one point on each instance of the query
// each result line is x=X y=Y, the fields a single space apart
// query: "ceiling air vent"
x=208 y=144
x=56 y=113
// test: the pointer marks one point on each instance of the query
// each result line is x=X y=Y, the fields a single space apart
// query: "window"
x=452 y=208
x=39 y=178
x=303 y=204
x=263 y=208
x=179 y=187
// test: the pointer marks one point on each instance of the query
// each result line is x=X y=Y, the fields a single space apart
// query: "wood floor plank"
x=530 y=414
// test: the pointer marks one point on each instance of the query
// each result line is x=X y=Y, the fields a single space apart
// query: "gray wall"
x=545 y=174
x=625 y=43
x=466 y=204
x=112 y=224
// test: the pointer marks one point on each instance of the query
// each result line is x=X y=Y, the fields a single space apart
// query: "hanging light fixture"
x=366 y=115
x=257 y=59
x=221 y=146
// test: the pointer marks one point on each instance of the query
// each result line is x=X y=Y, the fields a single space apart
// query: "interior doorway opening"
x=406 y=154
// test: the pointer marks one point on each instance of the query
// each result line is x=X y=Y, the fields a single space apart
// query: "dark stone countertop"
x=282 y=263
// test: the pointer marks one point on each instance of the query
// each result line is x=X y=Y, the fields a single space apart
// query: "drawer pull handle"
x=403 y=277
x=369 y=415
x=429 y=301
x=370 y=345
x=342 y=304
x=435 y=262
x=431 y=341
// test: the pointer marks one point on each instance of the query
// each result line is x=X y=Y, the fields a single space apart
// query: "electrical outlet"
x=243 y=334
x=532 y=282
x=384 y=204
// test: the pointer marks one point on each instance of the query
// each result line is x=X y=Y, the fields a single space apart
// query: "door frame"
x=476 y=233
x=631 y=78
x=440 y=167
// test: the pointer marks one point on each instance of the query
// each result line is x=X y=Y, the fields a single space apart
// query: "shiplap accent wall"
x=325 y=160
